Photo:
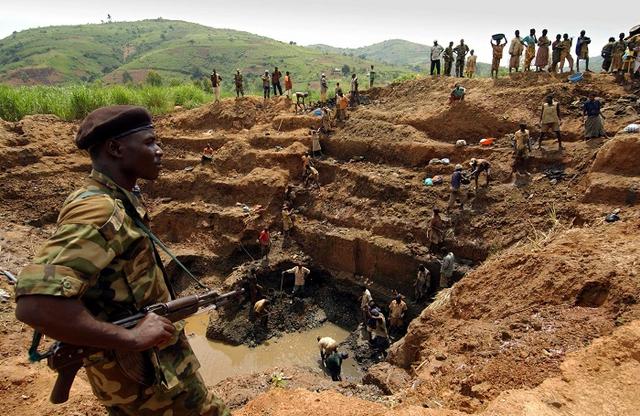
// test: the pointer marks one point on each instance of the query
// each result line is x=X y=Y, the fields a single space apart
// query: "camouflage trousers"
x=129 y=398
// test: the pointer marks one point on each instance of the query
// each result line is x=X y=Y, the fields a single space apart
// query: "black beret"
x=111 y=123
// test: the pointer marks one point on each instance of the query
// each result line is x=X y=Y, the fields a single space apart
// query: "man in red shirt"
x=265 y=243
x=288 y=84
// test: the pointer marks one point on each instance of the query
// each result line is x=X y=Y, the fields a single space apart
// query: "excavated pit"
x=503 y=325
x=325 y=299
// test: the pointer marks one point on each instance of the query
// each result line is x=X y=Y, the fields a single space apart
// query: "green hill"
x=411 y=55
x=394 y=52
x=175 y=49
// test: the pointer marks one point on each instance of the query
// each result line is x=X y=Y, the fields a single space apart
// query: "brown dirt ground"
x=546 y=321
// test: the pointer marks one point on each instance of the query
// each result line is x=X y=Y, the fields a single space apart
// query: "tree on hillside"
x=127 y=78
x=153 y=79
x=108 y=18
x=196 y=72
x=346 y=71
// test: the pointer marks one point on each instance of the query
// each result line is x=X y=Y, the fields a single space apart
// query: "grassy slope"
x=175 y=49
x=394 y=51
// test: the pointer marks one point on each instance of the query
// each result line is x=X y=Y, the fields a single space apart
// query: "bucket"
x=498 y=37
x=487 y=142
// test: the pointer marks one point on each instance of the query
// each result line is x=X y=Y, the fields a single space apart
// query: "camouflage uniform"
x=100 y=256
x=461 y=51
x=237 y=78
x=448 y=60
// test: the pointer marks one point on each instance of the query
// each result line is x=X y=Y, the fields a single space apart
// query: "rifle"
x=67 y=359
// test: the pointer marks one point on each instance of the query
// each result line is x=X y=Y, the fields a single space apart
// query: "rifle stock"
x=67 y=359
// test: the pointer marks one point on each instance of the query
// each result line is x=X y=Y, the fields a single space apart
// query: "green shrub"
x=74 y=102
x=9 y=104
x=406 y=77
x=157 y=99
x=122 y=95
x=188 y=96
x=85 y=99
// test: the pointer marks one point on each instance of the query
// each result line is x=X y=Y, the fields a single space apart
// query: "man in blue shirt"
x=593 y=123
x=457 y=94
x=456 y=194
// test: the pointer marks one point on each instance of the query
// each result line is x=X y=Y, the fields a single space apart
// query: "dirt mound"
x=238 y=114
x=613 y=177
x=286 y=314
x=586 y=385
x=25 y=142
x=511 y=322
x=619 y=156
x=295 y=122
x=463 y=121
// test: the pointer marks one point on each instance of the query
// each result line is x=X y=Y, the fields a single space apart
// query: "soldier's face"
x=141 y=155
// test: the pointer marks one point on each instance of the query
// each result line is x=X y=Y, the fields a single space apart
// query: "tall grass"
x=76 y=101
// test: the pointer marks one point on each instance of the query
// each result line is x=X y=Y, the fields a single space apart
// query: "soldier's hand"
x=152 y=330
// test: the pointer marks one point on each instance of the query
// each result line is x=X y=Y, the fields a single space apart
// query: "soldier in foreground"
x=100 y=266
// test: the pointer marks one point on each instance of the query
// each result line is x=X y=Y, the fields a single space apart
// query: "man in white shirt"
x=436 y=54
x=300 y=274
x=327 y=345
x=364 y=304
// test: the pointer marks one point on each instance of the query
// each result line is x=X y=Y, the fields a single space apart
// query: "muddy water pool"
x=220 y=360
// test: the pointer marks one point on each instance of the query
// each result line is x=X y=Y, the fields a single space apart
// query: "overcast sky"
x=348 y=23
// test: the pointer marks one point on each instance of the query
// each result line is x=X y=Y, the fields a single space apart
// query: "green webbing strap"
x=34 y=355
x=157 y=241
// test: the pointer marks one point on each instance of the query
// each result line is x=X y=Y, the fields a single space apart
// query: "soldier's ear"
x=114 y=148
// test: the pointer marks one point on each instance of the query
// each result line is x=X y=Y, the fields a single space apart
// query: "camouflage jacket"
x=98 y=254
x=447 y=55
x=461 y=51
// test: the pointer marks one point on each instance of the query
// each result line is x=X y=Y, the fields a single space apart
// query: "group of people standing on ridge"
x=620 y=56
x=450 y=55
x=273 y=82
